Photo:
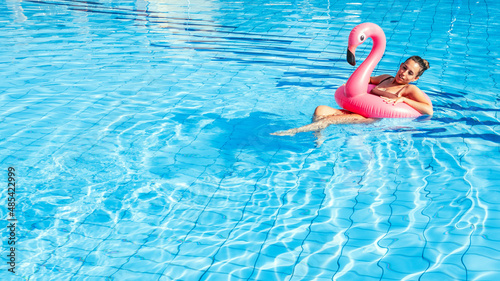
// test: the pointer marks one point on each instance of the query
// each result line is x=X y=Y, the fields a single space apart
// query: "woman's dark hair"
x=424 y=64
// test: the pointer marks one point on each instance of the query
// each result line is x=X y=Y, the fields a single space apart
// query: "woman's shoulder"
x=379 y=79
x=413 y=89
x=414 y=92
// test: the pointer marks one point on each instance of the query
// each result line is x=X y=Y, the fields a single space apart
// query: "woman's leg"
x=323 y=111
x=325 y=116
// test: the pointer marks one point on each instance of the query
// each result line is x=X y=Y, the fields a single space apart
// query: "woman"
x=392 y=90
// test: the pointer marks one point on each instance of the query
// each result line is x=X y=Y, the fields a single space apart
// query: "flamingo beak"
x=351 y=58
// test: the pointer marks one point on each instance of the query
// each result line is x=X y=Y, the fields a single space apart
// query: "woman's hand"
x=393 y=101
x=424 y=107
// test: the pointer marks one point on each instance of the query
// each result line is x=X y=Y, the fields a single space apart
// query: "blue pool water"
x=140 y=135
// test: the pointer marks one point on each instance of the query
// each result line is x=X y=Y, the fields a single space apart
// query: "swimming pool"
x=139 y=135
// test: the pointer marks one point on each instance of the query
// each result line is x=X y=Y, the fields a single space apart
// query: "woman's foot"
x=290 y=132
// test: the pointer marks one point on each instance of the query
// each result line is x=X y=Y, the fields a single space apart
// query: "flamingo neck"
x=357 y=84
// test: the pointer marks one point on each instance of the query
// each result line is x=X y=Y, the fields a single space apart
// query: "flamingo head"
x=359 y=34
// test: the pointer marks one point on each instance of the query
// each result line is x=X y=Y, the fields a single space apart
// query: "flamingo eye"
x=362 y=38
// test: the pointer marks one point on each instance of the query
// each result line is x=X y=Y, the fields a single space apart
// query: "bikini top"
x=397 y=93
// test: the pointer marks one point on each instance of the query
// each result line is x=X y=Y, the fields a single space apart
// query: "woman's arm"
x=415 y=98
x=377 y=79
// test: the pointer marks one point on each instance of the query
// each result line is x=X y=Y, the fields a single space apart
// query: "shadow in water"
x=442 y=127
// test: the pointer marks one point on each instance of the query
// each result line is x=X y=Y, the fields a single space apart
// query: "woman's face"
x=407 y=72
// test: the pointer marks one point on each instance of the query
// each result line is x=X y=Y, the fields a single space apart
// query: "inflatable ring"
x=355 y=95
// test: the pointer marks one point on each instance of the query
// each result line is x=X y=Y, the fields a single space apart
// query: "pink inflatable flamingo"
x=355 y=94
